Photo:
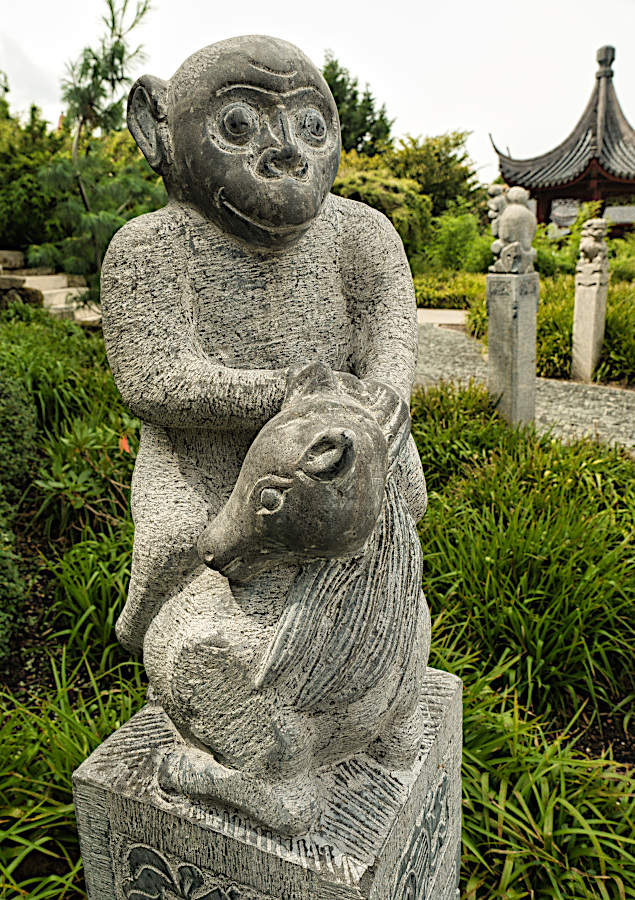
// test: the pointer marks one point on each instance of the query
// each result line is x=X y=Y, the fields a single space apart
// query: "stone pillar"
x=591 y=289
x=512 y=301
x=512 y=304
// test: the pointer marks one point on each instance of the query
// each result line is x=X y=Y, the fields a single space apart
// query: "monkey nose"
x=284 y=160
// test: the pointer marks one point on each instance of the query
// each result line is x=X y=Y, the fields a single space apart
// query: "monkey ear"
x=330 y=456
x=147 y=121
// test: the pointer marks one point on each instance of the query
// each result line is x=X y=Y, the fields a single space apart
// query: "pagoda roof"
x=602 y=133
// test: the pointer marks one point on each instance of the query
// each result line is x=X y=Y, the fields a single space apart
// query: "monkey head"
x=246 y=131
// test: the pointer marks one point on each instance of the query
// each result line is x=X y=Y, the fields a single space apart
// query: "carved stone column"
x=512 y=304
x=512 y=301
x=591 y=289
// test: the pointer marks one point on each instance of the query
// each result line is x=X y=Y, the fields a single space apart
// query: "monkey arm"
x=163 y=376
x=379 y=290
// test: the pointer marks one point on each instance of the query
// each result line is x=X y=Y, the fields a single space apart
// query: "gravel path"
x=570 y=409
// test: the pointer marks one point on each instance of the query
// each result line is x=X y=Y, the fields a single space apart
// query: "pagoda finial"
x=605 y=57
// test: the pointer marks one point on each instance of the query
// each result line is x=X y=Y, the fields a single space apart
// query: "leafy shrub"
x=17 y=453
x=18 y=415
x=12 y=588
x=399 y=199
x=622 y=258
x=449 y=290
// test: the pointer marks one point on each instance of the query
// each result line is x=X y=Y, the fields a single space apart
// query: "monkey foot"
x=288 y=807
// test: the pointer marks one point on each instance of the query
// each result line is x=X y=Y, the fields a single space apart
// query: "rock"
x=22 y=294
x=11 y=259
x=7 y=282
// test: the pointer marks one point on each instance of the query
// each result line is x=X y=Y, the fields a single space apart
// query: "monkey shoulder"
x=365 y=232
x=141 y=239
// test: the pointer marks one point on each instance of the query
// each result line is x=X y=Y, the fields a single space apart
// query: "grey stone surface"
x=591 y=290
x=567 y=409
x=514 y=227
x=265 y=333
x=512 y=306
x=382 y=835
x=8 y=281
x=11 y=259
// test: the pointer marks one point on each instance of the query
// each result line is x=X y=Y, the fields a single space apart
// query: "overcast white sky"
x=522 y=71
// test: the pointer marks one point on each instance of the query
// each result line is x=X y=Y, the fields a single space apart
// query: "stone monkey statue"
x=251 y=268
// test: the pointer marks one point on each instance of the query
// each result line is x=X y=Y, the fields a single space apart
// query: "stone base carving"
x=512 y=304
x=382 y=835
x=589 y=320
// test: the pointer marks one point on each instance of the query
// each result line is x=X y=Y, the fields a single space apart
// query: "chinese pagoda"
x=595 y=162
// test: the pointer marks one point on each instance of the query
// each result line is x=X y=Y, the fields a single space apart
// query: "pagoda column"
x=543 y=208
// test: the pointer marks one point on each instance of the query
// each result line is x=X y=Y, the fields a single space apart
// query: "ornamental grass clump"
x=529 y=544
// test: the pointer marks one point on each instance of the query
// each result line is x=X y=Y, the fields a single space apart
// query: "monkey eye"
x=312 y=127
x=239 y=122
x=271 y=500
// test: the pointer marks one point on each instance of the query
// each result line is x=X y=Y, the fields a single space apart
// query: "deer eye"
x=271 y=500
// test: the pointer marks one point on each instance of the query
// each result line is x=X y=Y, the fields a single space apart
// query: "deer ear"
x=147 y=121
x=305 y=378
x=330 y=456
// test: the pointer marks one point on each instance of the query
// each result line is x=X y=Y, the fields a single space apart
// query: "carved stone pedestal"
x=589 y=319
x=382 y=835
x=512 y=304
x=591 y=289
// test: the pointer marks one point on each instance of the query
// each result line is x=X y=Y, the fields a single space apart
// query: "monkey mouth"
x=254 y=222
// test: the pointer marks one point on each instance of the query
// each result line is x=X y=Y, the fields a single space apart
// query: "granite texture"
x=265 y=333
x=382 y=835
x=591 y=290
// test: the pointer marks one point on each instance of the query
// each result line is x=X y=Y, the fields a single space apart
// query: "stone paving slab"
x=570 y=409
x=441 y=316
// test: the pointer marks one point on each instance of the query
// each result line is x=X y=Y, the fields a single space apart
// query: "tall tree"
x=104 y=180
x=92 y=88
x=364 y=128
x=441 y=166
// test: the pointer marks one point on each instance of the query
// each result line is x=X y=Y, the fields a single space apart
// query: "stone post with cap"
x=512 y=304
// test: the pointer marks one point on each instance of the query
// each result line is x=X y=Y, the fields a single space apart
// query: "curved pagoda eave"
x=602 y=134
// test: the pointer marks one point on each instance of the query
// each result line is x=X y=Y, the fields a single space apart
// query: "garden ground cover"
x=530 y=576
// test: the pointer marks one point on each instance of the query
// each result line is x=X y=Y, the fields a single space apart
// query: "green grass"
x=449 y=290
x=529 y=572
x=555 y=330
